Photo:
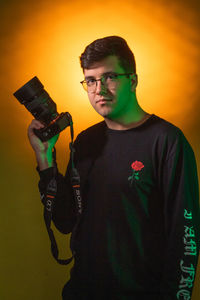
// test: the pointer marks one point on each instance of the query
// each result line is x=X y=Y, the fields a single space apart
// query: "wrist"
x=44 y=159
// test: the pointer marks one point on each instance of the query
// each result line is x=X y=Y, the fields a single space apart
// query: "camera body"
x=38 y=102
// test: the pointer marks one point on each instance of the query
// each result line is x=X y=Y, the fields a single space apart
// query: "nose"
x=100 y=87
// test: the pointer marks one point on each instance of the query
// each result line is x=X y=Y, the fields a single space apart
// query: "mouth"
x=103 y=100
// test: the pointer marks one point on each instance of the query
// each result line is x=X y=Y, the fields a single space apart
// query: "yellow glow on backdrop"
x=45 y=38
x=52 y=39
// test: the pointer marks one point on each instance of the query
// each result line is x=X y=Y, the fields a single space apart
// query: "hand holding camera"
x=43 y=150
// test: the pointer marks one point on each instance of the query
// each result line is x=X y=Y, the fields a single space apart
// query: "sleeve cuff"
x=47 y=174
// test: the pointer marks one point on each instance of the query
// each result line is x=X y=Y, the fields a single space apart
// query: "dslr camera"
x=33 y=96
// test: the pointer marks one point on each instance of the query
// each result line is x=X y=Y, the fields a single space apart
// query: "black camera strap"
x=50 y=199
x=48 y=209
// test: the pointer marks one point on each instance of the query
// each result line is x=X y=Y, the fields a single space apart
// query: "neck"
x=132 y=117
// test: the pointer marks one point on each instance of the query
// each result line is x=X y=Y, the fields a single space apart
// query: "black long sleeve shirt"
x=139 y=232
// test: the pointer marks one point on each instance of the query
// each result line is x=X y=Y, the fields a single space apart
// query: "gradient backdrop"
x=46 y=38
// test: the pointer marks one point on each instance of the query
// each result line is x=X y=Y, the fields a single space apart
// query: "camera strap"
x=48 y=209
x=50 y=199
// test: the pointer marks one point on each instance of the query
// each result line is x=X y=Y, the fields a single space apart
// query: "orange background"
x=46 y=38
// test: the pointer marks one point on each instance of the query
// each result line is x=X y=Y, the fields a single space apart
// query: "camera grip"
x=55 y=127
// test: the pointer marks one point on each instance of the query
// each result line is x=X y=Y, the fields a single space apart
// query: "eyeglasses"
x=109 y=80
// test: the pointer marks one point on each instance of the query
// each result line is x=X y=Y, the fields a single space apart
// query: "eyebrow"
x=106 y=73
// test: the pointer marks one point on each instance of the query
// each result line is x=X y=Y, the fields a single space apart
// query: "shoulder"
x=169 y=136
x=89 y=142
x=91 y=139
x=165 y=129
x=92 y=131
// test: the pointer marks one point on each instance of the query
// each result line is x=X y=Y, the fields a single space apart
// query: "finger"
x=38 y=123
x=35 y=124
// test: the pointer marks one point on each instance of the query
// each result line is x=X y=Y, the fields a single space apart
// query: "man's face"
x=110 y=102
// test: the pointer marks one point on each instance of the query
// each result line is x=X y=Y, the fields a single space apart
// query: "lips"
x=103 y=100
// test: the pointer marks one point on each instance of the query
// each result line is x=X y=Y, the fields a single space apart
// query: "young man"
x=138 y=236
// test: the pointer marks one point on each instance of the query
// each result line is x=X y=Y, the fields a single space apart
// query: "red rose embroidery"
x=137 y=165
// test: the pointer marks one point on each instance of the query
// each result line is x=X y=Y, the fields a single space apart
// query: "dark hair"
x=104 y=47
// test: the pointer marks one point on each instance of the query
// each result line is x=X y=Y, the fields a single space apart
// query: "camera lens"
x=33 y=96
x=28 y=91
x=36 y=100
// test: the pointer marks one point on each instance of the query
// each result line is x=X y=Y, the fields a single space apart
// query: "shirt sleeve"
x=182 y=221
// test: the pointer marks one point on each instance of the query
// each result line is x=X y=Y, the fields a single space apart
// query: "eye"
x=90 y=81
x=111 y=77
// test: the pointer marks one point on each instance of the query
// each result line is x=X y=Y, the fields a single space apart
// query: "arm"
x=182 y=221
x=64 y=209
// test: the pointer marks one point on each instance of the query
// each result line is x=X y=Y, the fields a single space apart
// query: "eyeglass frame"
x=100 y=79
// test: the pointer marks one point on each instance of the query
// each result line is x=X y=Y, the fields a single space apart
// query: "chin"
x=104 y=112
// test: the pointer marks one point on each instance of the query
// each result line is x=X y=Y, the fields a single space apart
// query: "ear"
x=134 y=82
